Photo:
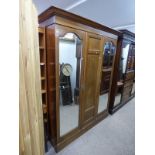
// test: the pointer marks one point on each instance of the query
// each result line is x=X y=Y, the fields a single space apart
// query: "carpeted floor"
x=115 y=135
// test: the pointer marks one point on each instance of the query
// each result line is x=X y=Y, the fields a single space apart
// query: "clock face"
x=67 y=69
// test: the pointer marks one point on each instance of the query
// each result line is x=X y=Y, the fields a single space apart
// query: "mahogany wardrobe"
x=123 y=80
x=79 y=65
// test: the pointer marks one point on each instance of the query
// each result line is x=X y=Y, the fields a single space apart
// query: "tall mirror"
x=121 y=73
x=131 y=66
x=70 y=54
x=107 y=62
x=133 y=88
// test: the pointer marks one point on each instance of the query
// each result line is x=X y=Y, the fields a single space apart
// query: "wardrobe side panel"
x=50 y=44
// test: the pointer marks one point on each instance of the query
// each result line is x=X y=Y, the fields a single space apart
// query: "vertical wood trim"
x=99 y=74
x=114 y=76
x=30 y=105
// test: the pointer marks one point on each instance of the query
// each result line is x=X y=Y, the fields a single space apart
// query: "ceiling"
x=118 y=14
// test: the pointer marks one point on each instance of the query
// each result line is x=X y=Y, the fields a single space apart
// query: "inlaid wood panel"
x=105 y=81
x=94 y=44
x=92 y=75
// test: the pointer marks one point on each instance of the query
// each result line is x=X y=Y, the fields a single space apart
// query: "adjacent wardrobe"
x=80 y=57
x=123 y=80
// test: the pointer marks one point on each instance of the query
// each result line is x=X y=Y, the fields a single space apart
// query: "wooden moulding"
x=52 y=11
x=128 y=36
x=114 y=75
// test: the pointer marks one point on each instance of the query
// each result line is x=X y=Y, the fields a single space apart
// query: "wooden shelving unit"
x=42 y=50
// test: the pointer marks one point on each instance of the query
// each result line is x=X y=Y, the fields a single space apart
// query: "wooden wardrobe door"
x=94 y=48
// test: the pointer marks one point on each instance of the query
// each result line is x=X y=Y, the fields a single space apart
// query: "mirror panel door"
x=133 y=88
x=121 y=73
x=70 y=55
x=132 y=66
x=108 y=54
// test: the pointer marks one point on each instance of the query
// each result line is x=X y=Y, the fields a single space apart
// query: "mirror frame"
x=60 y=32
x=113 y=108
x=123 y=46
x=101 y=114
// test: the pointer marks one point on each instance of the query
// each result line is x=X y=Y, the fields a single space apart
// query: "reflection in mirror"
x=70 y=53
x=133 y=89
x=122 y=70
x=108 y=58
x=131 y=58
x=124 y=58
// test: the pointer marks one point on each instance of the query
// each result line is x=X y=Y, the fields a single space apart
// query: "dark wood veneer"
x=126 y=38
x=92 y=45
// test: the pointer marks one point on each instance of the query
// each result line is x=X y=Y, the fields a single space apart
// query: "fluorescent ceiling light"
x=124 y=26
x=75 y=4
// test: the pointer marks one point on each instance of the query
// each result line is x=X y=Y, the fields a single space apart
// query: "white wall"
x=67 y=54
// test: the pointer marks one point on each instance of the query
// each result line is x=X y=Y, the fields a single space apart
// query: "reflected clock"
x=65 y=84
x=67 y=69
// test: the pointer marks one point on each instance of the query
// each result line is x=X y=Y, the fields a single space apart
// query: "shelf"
x=119 y=83
x=106 y=69
x=41 y=47
x=42 y=53
x=42 y=56
x=42 y=63
x=43 y=91
x=43 y=78
x=41 y=30
x=44 y=108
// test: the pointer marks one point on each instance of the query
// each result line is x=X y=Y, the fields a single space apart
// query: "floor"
x=113 y=136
